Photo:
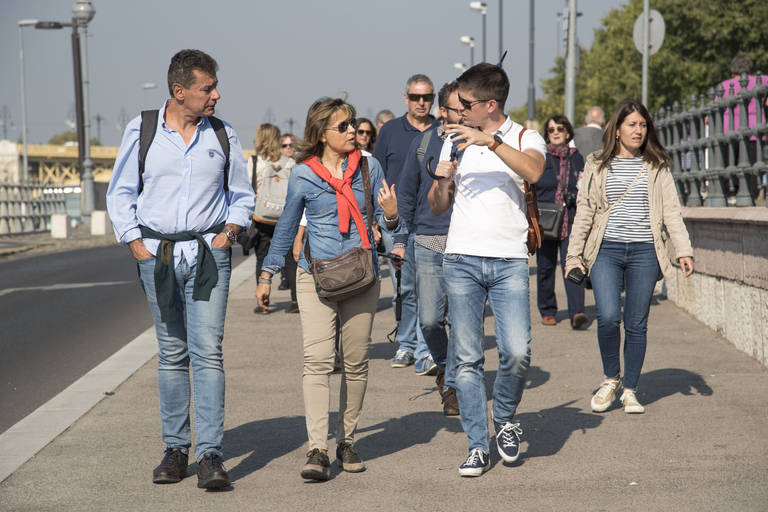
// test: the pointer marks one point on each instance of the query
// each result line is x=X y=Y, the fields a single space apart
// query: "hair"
x=741 y=64
x=185 y=63
x=445 y=93
x=487 y=82
x=318 y=117
x=267 y=142
x=360 y=121
x=591 y=118
x=651 y=150
x=559 y=119
x=383 y=116
x=417 y=79
x=292 y=136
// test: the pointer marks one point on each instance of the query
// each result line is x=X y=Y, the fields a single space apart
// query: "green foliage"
x=69 y=136
x=701 y=38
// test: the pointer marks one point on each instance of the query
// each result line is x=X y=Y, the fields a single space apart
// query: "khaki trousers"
x=318 y=324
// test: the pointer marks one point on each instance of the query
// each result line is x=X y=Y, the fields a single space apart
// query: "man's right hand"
x=447 y=170
x=139 y=250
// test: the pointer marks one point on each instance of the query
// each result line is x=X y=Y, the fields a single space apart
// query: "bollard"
x=60 y=225
x=100 y=223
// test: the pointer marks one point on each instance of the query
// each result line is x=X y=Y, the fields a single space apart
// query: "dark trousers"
x=546 y=261
x=261 y=244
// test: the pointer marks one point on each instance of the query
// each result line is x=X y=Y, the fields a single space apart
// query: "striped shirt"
x=630 y=219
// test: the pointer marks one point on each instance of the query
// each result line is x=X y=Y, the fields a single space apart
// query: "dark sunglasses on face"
x=364 y=132
x=428 y=98
x=344 y=125
x=559 y=129
x=452 y=109
x=285 y=146
x=469 y=104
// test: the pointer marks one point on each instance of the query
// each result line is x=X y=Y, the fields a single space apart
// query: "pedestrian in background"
x=365 y=136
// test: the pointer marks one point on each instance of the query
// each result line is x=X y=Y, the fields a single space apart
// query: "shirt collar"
x=407 y=126
x=505 y=127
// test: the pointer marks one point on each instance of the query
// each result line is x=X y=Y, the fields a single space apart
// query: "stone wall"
x=729 y=289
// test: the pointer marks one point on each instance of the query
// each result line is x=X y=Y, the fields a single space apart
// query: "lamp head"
x=468 y=41
x=83 y=11
x=480 y=7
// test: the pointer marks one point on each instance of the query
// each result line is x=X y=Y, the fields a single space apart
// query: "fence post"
x=715 y=190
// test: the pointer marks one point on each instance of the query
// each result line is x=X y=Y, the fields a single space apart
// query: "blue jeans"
x=408 y=333
x=194 y=338
x=635 y=268
x=433 y=307
x=470 y=280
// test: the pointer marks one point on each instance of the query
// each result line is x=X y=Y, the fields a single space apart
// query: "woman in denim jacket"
x=320 y=185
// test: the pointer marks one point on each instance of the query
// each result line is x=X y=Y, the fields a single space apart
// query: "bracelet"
x=265 y=280
x=390 y=221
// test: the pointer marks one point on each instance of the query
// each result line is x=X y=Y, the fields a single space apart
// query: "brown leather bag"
x=532 y=211
x=349 y=274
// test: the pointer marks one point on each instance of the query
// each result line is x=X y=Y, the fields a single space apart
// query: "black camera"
x=576 y=275
x=570 y=199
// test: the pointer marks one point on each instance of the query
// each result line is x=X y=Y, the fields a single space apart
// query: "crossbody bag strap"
x=565 y=176
x=626 y=191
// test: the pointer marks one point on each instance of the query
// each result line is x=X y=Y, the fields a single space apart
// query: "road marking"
x=63 y=286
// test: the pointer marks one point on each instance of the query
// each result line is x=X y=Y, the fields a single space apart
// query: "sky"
x=275 y=58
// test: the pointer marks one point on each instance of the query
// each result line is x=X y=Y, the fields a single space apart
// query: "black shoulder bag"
x=551 y=214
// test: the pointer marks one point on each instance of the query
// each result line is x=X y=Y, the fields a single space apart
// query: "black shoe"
x=348 y=458
x=318 y=466
x=283 y=284
x=173 y=467
x=260 y=311
x=293 y=308
x=211 y=473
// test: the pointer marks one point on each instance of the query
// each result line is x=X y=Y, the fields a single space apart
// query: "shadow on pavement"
x=548 y=430
x=658 y=384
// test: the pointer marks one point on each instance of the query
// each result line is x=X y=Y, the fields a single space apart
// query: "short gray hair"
x=417 y=79
x=384 y=116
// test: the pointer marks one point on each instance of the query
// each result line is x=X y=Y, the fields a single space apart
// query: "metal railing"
x=27 y=207
x=712 y=167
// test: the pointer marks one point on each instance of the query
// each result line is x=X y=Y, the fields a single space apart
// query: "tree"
x=69 y=136
x=701 y=38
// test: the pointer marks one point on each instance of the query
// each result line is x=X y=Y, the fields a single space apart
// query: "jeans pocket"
x=451 y=258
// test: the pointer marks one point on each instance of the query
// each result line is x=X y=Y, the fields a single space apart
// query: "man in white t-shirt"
x=486 y=257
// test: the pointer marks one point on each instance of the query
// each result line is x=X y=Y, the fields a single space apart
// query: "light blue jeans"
x=408 y=332
x=194 y=338
x=470 y=280
x=433 y=307
x=633 y=267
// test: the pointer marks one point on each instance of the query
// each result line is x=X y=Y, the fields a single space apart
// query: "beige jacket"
x=592 y=214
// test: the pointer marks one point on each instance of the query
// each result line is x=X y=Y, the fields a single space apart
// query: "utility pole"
x=291 y=122
x=570 y=63
x=122 y=120
x=531 y=86
x=99 y=119
x=5 y=116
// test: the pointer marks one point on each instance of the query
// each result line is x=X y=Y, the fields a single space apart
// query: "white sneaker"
x=631 y=405
x=605 y=395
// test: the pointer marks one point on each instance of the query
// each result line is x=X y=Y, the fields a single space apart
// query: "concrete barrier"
x=60 y=225
x=100 y=223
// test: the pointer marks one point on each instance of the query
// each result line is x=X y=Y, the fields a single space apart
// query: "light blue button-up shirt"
x=183 y=186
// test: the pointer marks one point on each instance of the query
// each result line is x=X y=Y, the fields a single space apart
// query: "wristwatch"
x=231 y=235
x=497 y=142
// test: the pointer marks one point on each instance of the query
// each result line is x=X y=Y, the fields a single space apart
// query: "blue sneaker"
x=508 y=440
x=402 y=359
x=476 y=464
x=426 y=366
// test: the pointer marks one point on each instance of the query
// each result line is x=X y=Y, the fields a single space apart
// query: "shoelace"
x=214 y=460
x=400 y=354
x=170 y=453
x=507 y=434
x=607 y=388
x=474 y=456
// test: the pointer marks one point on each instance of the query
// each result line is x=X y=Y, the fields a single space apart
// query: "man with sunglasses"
x=391 y=148
x=430 y=233
x=486 y=257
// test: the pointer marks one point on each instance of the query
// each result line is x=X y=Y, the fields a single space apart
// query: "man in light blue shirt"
x=180 y=217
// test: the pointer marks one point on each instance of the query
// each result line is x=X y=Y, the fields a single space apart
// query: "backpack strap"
x=425 y=138
x=221 y=134
x=146 y=136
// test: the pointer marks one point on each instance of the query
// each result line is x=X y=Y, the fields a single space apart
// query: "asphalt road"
x=61 y=315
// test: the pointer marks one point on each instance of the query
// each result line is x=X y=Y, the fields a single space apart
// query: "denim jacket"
x=306 y=191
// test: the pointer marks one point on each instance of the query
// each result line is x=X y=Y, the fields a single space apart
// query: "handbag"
x=551 y=214
x=349 y=274
x=533 y=241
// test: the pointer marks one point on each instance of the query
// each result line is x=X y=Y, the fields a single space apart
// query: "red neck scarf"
x=345 y=197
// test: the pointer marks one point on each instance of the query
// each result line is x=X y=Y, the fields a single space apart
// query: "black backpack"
x=147 y=135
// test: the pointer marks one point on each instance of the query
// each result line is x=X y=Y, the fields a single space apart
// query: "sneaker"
x=318 y=466
x=402 y=359
x=476 y=464
x=549 y=320
x=293 y=308
x=450 y=402
x=211 y=473
x=631 y=405
x=260 y=311
x=579 y=319
x=348 y=458
x=172 y=468
x=508 y=440
x=426 y=366
x=605 y=395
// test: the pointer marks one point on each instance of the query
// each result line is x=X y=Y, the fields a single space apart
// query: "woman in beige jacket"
x=627 y=208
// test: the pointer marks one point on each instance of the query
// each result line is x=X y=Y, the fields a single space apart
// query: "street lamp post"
x=25 y=159
x=84 y=13
x=145 y=87
x=482 y=8
x=469 y=41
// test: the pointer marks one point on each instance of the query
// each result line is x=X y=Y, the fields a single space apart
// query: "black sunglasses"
x=344 y=125
x=469 y=104
x=452 y=109
x=364 y=132
x=428 y=98
x=286 y=145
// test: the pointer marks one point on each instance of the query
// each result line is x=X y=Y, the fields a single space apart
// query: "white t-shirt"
x=489 y=214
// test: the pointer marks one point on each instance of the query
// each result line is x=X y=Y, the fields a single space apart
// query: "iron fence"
x=27 y=207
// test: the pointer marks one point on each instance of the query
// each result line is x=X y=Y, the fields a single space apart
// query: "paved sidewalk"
x=701 y=445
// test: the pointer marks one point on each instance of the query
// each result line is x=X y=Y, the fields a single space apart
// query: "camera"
x=576 y=276
x=570 y=199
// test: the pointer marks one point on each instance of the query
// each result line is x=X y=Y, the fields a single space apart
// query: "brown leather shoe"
x=211 y=473
x=549 y=320
x=440 y=381
x=450 y=402
x=173 y=467
x=579 y=319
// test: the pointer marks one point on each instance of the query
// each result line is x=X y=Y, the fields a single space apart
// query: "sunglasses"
x=284 y=146
x=364 y=132
x=558 y=129
x=428 y=98
x=452 y=109
x=344 y=125
x=469 y=104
